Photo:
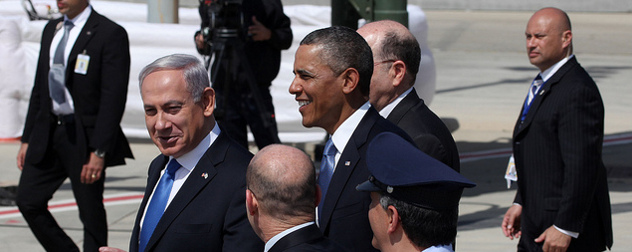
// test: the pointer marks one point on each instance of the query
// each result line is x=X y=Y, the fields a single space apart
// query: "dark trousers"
x=240 y=110
x=64 y=159
x=589 y=240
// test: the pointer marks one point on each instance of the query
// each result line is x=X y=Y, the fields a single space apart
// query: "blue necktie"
x=326 y=172
x=57 y=72
x=158 y=203
x=537 y=82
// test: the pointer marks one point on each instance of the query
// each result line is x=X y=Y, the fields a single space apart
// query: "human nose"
x=531 y=42
x=295 y=88
x=162 y=121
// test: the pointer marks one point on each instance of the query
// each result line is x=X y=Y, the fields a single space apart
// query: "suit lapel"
x=541 y=95
x=403 y=107
x=154 y=174
x=86 y=34
x=213 y=157
x=349 y=160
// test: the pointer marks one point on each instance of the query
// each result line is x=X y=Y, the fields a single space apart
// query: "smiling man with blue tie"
x=333 y=68
x=194 y=199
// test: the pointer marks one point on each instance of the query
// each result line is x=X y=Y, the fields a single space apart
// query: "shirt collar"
x=81 y=19
x=278 y=237
x=342 y=135
x=389 y=108
x=546 y=75
x=190 y=159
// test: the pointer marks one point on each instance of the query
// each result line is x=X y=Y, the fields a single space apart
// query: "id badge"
x=81 y=67
x=511 y=174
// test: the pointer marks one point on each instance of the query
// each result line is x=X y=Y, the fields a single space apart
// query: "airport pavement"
x=482 y=78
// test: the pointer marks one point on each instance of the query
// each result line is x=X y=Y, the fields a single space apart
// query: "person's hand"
x=21 y=155
x=92 y=171
x=199 y=41
x=110 y=249
x=554 y=240
x=511 y=222
x=258 y=31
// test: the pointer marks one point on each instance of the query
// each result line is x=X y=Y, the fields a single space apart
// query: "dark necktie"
x=156 y=207
x=57 y=73
x=326 y=172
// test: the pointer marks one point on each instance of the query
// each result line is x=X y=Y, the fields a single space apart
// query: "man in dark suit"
x=72 y=128
x=198 y=203
x=396 y=56
x=281 y=198
x=562 y=200
x=333 y=68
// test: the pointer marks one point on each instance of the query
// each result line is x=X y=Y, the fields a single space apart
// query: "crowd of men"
x=389 y=176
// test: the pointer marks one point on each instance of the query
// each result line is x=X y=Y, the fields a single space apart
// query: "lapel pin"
x=89 y=33
x=347 y=163
x=542 y=92
x=205 y=175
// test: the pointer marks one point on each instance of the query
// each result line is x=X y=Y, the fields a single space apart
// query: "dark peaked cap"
x=400 y=170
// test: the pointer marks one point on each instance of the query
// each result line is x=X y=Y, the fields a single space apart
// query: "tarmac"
x=482 y=78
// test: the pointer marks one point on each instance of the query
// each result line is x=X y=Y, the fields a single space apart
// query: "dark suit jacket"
x=426 y=129
x=557 y=150
x=345 y=211
x=99 y=96
x=306 y=239
x=207 y=214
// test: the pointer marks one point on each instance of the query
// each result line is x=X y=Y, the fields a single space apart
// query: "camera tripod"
x=227 y=49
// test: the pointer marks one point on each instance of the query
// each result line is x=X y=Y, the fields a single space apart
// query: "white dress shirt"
x=188 y=162
x=389 y=108
x=79 y=21
x=341 y=136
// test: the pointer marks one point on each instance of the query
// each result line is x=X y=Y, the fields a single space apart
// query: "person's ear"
x=350 y=78
x=567 y=37
x=393 y=219
x=319 y=195
x=397 y=72
x=208 y=101
x=252 y=205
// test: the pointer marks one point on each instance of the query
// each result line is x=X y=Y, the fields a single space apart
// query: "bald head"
x=384 y=33
x=283 y=180
x=557 y=19
x=549 y=37
x=396 y=56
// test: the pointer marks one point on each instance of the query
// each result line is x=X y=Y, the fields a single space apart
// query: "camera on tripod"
x=226 y=20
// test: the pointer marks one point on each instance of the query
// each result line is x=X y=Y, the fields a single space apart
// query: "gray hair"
x=194 y=73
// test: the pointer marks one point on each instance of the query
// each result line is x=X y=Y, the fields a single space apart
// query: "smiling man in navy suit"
x=562 y=201
x=333 y=68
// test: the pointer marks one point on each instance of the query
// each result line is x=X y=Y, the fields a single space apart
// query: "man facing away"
x=562 y=201
x=396 y=56
x=194 y=199
x=281 y=198
x=72 y=128
x=333 y=68
x=414 y=197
